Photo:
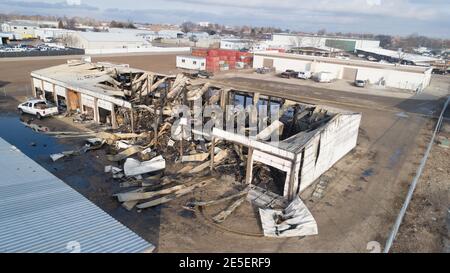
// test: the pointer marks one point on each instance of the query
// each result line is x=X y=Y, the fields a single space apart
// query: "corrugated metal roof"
x=408 y=68
x=40 y=213
x=395 y=54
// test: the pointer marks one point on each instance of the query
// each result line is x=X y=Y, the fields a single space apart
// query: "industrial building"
x=104 y=40
x=146 y=34
x=20 y=29
x=51 y=33
x=397 y=56
x=287 y=40
x=198 y=35
x=115 y=42
x=42 y=214
x=5 y=37
x=311 y=137
x=81 y=86
x=304 y=154
x=170 y=34
x=389 y=75
x=235 y=44
x=191 y=62
x=210 y=42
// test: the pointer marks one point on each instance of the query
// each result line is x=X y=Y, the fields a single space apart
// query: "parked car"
x=38 y=107
x=342 y=57
x=263 y=70
x=438 y=71
x=304 y=75
x=360 y=83
x=289 y=74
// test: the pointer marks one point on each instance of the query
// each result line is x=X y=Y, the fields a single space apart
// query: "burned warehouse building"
x=141 y=110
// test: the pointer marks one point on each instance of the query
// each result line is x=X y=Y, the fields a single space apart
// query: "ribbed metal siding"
x=40 y=213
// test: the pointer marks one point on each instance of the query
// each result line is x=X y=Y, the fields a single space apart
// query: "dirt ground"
x=425 y=227
x=366 y=190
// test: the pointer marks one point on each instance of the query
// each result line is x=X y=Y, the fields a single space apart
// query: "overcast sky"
x=426 y=17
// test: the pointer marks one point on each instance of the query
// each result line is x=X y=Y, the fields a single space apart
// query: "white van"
x=324 y=77
x=304 y=75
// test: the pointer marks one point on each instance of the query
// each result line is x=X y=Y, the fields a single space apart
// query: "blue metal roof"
x=40 y=213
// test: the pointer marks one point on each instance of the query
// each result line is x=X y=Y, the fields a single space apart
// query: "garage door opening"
x=269 y=178
x=268 y=63
x=50 y=97
x=104 y=116
x=62 y=104
x=39 y=93
x=88 y=112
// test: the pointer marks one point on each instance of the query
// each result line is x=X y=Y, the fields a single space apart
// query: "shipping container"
x=223 y=59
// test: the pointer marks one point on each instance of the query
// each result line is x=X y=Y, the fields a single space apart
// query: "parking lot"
x=33 y=48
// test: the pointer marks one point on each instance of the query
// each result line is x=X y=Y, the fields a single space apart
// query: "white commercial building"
x=198 y=35
x=191 y=62
x=5 y=37
x=112 y=43
x=105 y=40
x=235 y=44
x=390 y=75
x=21 y=30
x=287 y=41
x=146 y=34
x=170 y=34
x=203 y=24
x=51 y=33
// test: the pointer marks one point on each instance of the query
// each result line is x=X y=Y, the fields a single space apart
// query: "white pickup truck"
x=37 y=107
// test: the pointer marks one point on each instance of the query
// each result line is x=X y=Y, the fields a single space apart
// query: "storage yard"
x=353 y=194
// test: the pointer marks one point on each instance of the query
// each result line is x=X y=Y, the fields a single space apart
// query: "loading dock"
x=349 y=74
x=268 y=63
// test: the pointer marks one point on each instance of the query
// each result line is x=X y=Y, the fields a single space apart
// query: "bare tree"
x=187 y=27
x=296 y=41
x=71 y=23
x=70 y=40
x=401 y=55
x=322 y=32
